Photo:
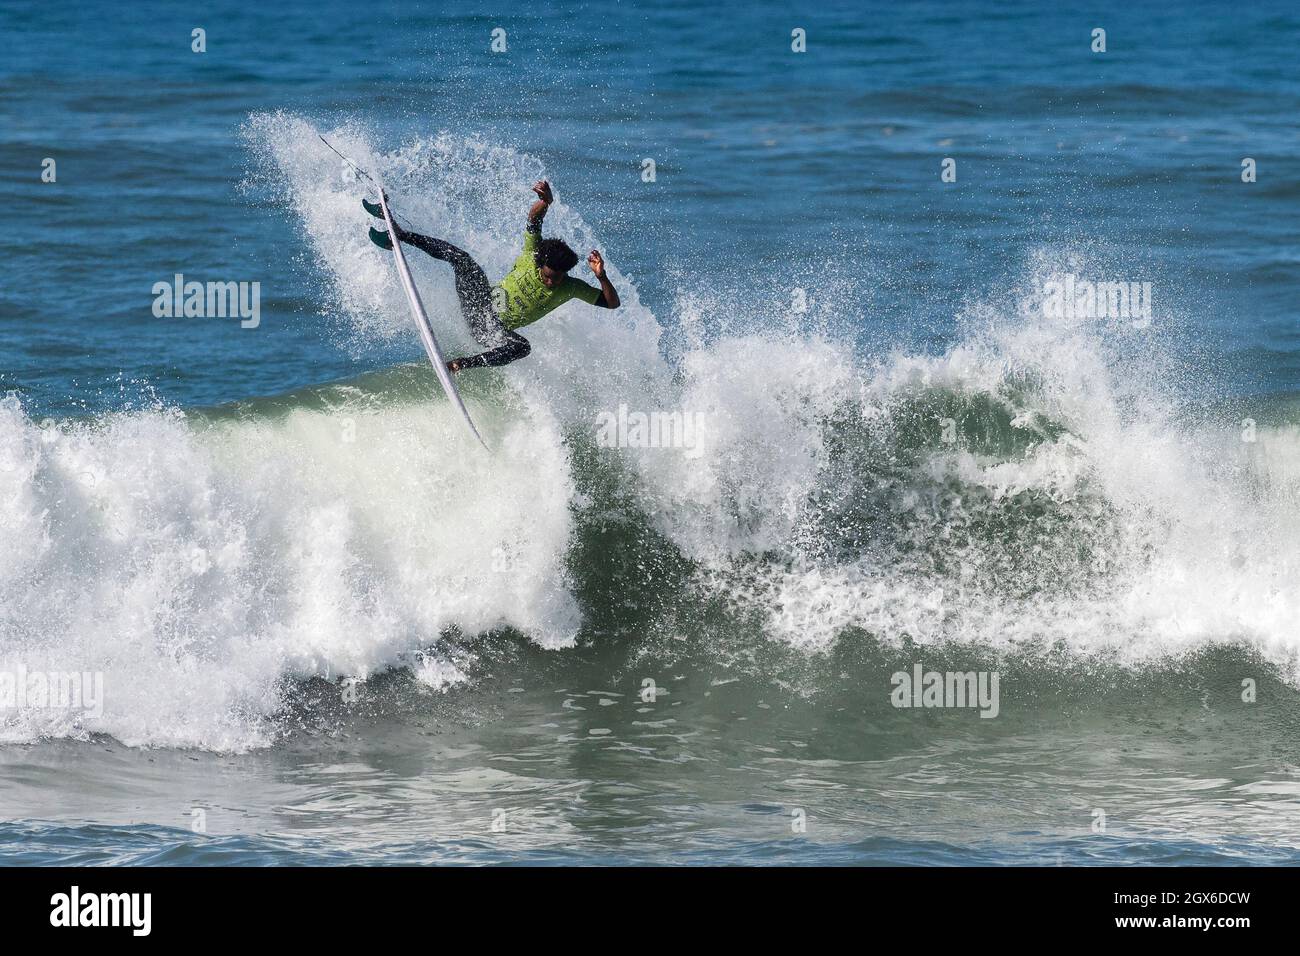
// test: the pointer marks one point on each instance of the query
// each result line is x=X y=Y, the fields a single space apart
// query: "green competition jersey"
x=523 y=298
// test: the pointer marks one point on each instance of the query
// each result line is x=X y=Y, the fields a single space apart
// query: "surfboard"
x=429 y=340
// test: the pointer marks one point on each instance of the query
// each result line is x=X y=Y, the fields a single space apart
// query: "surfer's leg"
x=513 y=347
x=475 y=294
x=438 y=248
x=503 y=346
x=472 y=286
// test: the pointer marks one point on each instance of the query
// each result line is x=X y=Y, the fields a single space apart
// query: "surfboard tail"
x=422 y=324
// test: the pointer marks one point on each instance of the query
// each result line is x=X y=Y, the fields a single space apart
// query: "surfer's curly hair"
x=556 y=254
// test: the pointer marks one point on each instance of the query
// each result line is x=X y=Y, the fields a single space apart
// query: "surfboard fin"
x=373 y=208
x=382 y=239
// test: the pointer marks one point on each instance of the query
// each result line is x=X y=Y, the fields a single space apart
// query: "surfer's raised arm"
x=608 y=298
x=608 y=294
x=538 y=211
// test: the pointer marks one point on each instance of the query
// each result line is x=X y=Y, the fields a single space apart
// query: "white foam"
x=198 y=568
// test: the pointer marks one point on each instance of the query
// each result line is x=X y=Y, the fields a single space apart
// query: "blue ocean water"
x=330 y=632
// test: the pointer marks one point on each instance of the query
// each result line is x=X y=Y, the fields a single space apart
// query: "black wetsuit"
x=475 y=293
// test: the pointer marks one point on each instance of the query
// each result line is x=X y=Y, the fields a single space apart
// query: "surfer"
x=538 y=283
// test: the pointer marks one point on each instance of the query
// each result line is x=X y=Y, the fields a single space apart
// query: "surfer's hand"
x=543 y=190
x=597 y=263
x=453 y=366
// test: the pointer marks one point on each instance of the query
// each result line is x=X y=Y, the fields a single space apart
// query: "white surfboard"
x=422 y=321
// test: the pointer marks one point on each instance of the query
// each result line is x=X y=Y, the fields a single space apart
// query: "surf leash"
x=331 y=148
